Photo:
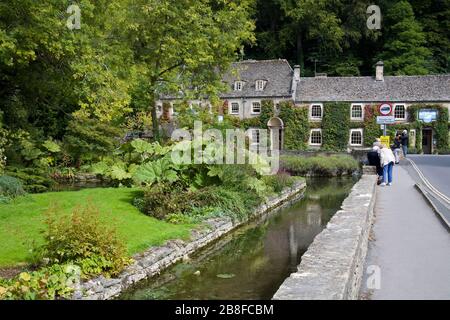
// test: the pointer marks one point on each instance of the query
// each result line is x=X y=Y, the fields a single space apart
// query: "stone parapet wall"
x=332 y=268
x=156 y=259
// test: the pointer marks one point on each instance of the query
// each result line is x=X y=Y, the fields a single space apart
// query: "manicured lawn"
x=21 y=222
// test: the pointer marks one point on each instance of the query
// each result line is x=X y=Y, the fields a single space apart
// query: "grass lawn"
x=21 y=222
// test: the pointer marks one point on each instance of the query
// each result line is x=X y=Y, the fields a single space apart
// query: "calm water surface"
x=252 y=262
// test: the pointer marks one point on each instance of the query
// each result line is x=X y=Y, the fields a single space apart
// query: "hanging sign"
x=385 y=109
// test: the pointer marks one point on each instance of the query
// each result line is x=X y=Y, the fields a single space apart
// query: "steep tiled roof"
x=277 y=73
x=366 y=89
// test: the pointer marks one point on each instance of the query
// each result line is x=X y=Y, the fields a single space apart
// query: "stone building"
x=252 y=82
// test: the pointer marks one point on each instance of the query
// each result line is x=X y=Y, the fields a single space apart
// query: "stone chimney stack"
x=296 y=73
x=379 y=71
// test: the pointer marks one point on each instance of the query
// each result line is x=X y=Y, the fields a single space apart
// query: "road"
x=410 y=246
x=436 y=169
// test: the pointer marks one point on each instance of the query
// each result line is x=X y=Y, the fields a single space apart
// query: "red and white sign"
x=385 y=109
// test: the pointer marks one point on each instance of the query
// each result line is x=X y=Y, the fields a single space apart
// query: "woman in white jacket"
x=387 y=160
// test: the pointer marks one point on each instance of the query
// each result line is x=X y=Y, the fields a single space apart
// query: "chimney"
x=379 y=71
x=296 y=73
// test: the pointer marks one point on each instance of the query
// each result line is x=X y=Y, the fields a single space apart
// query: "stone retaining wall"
x=156 y=259
x=332 y=268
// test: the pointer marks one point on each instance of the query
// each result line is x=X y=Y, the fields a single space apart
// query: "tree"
x=404 y=51
x=435 y=19
x=186 y=45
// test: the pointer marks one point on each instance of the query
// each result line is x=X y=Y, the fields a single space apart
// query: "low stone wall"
x=156 y=259
x=332 y=268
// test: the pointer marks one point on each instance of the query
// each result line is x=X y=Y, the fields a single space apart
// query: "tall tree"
x=185 y=45
x=435 y=19
x=404 y=51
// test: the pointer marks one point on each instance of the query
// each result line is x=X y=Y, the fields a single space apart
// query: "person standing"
x=405 y=142
x=396 y=147
x=387 y=161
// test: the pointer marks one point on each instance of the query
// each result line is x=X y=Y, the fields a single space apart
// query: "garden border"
x=332 y=267
x=156 y=259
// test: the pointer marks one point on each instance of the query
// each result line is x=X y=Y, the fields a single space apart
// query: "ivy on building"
x=335 y=126
x=297 y=127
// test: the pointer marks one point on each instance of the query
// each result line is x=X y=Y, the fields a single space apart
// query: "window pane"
x=316 y=137
x=256 y=107
x=356 y=138
x=357 y=112
x=316 y=111
x=255 y=136
x=235 y=108
x=400 y=112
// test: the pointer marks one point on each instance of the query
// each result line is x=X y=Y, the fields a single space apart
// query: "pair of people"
x=384 y=160
x=401 y=142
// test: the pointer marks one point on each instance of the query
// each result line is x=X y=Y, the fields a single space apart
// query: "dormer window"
x=260 y=84
x=238 y=85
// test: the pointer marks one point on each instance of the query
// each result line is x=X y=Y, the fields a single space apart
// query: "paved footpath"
x=411 y=246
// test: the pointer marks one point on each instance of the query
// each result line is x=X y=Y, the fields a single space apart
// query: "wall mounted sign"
x=385 y=109
x=386 y=120
x=428 y=115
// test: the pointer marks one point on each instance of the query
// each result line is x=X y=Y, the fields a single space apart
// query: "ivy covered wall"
x=335 y=126
x=297 y=127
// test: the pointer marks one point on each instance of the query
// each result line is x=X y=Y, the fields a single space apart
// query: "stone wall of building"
x=156 y=259
x=332 y=268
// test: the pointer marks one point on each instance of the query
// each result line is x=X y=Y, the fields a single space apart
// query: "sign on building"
x=428 y=115
x=385 y=120
x=385 y=109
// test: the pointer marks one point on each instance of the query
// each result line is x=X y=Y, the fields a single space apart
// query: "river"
x=253 y=261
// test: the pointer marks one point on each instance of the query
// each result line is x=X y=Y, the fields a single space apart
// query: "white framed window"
x=316 y=111
x=256 y=136
x=235 y=108
x=315 y=137
x=260 y=84
x=400 y=112
x=238 y=85
x=357 y=111
x=256 y=107
x=356 y=137
x=159 y=108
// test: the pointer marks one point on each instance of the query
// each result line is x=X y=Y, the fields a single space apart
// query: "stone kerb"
x=332 y=267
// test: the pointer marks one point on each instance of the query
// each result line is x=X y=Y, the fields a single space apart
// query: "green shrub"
x=163 y=199
x=82 y=239
x=10 y=188
x=320 y=165
x=279 y=181
x=45 y=284
x=34 y=179
x=297 y=126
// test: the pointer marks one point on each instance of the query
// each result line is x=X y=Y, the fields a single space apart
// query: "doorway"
x=427 y=141
x=276 y=127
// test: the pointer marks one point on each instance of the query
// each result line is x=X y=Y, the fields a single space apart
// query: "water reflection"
x=253 y=261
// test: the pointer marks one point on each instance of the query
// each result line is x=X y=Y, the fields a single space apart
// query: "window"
x=357 y=112
x=315 y=137
x=159 y=108
x=260 y=85
x=400 y=112
x=238 y=85
x=316 y=111
x=256 y=107
x=256 y=136
x=356 y=137
x=235 y=108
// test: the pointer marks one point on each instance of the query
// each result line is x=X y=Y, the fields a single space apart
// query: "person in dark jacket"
x=396 y=147
x=373 y=158
x=405 y=142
